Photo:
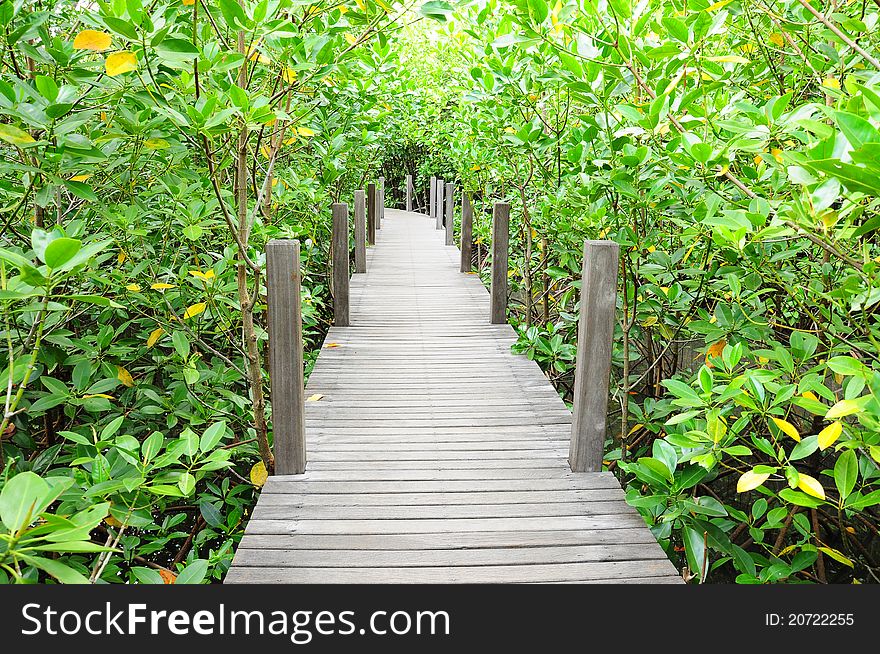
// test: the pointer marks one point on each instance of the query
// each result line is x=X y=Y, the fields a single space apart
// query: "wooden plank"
x=371 y=213
x=380 y=199
x=443 y=540
x=307 y=497
x=593 y=366
x=360 y=232
x=438 y=211
x=449 y=221
x=446 y=557
x=467 y=233
x=432 y=190
x=459 y=574
x=500 y=246
x=409 y=188
x=340 y=262
x=286 y=355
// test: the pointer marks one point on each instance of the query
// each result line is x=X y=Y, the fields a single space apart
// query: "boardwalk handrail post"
x=371 y=213
x=500 y=244
x=340 y=264
x=450 y=213
x=380 y=213
x=360 y=233
x=593 y=365
x=467 y=233
x=409 y=192
x=432 y=190
x=283 y=281
x=438 y=211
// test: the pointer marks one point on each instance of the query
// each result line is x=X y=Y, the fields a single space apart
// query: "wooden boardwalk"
x=434 y=453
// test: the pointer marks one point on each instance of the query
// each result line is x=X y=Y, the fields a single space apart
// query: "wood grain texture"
x=595 y=333
x=360 y=232
x=283 y=281
x=449 y=219
x=438 y=210
x=371 y=213
x=341 y=272
x=500 y=246
x=436 y=454
x=432 y=197
x=409 y=190
x=467 y=233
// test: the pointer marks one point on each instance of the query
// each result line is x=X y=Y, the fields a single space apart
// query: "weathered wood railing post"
x=438 y=211
x=595 y=335
x=409 y=192
x=467 y=233
x=371 y=213
x=283 y=280
x=360 y=233
x=450 y=213
x=500 y=243
x=340 y=264
x=432 y=190
x=380 y=213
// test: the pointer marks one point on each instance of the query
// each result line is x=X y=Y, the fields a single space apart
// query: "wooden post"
x=380 y=213
x=371 y=213
x=283 y=279
x=500 y=243
x=438 y=210
x=467 y=233
x=595 y=334
x=409 y=192
x=360 y=233
x=450 y=213
x=340 y=264
x=432 y=190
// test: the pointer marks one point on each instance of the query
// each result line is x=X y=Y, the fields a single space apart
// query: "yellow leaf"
x=92 y=40
x=747 y=47
x=715 y=349
x=361 y=4
x=124 y=376
x=718 y=5
x=156 y=144
x=758 y=159
x=829 y=435
x=188 y=3
x=729 y=59
x=256 y=55
x=843 y=408
x=15 y=136
x=810 y=486
x=777 y=154
x=314 y=398
x=113 y=522
x=350 y=38
x=162 y=287
x=120 y=62
x=332 y=345
x=121 y=257
x=837 y=556
x=476 y=168
x=289 y=75
x=134 y=288
x=155 y=335
x=810 y=395
x=202 y=275
x=259 y=475
x=831 y=83
x=384 y=6
x=751 y=480
x=80 y=178
x=168 y=577
x=193 y=310
x=104 y=395
x=342 y=9
x=777 y=39
x=786 y=428
x=305 y=131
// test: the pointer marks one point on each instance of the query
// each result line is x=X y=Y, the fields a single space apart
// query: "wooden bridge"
x=433 y=453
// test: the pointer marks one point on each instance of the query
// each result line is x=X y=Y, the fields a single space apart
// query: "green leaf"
x=436 y=10
x=22 y=500
x=13 y=135
x=62 y=572
x=212 y=436
x=186 y=483
x=60 y=251
x=194 y=573
x=695 y=550
x=846 y=473
x=800 y=499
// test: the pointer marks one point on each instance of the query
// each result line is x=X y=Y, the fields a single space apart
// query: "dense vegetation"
x=731 y=149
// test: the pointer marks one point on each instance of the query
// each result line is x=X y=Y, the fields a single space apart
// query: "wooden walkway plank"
x=436 y=455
